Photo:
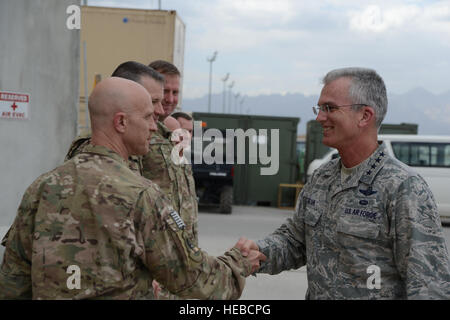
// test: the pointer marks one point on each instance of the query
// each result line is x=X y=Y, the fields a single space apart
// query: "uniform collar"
x=162 y=134
x=364 y=173
x=375 y=163
x=163 y=130
x=104 y=151
x=367 y=171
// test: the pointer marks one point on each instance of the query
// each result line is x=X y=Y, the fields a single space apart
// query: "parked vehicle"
x=427 y=155
x=214 y=182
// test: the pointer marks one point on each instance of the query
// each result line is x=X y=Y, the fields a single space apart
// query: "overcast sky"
x=281 y=46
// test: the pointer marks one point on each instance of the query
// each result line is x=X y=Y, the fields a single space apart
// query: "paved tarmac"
x=218 y=232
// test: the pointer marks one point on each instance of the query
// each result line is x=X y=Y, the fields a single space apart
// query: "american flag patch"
x=176 y=217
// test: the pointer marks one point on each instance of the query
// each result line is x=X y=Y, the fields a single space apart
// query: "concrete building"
x=39 y=80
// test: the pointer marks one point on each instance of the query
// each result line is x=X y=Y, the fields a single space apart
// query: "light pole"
x=236 y=96
x=210 y=60
x=224 y=79
x=241 y=102
x=230 y=96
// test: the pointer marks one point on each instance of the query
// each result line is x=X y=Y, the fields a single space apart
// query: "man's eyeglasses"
x=330 y=108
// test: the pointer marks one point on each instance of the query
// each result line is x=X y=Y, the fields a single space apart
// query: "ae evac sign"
x=14 y=105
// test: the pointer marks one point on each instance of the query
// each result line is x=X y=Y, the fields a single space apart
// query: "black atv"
x=214 y=184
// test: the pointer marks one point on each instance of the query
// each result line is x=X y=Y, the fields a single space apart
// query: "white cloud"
x=235 y=38
x=375 y=19
x=436 y=20
x=260 y=9
x=429 y=17
x=236 y=25
x=287 y=45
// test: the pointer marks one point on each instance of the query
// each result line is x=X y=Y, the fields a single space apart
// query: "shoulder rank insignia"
x=176 y=217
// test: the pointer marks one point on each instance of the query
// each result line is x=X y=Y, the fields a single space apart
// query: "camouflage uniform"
x=176 y=181
x=118 y=228
x=83 y=140
x=383 y=214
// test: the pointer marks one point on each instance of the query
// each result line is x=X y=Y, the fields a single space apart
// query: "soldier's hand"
x=156 y=288
x=254 y=258
x=245 y=245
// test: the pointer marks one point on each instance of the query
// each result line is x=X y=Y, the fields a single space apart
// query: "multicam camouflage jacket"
x=377 y=235
x=176 y=181
x=83 y=140
x=93 y=213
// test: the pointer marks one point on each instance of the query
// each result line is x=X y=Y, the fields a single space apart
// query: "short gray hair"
x=367 y=87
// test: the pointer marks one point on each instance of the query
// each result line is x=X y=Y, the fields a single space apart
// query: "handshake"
x=250 y=250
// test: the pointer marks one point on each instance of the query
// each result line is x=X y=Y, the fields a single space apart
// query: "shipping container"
x=251 y=187
x=110 y=36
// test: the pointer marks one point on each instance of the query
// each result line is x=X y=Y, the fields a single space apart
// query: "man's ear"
x=367 y=116
x=120 y=122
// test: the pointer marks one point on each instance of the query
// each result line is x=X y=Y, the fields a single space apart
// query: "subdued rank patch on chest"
x=176 y=217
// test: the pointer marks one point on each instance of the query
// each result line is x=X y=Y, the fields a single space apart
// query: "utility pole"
x=224 y=79
x=230 y=96
x=210 y=60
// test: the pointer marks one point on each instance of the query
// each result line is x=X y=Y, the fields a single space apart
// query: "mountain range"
x=430 y=111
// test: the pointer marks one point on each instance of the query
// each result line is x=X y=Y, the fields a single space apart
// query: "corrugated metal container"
x=116 y=35
x=250 y=187
x=402 y=128
x=314 y=147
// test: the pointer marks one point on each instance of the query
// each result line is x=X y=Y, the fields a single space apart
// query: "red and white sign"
x=14 y=105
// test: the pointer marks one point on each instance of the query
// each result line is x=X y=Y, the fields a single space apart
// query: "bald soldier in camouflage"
x=175 y=180
x=365 y=225
x=95 y=217
x=150 y=80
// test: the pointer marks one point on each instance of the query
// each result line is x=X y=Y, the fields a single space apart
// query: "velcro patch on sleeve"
x=179 y=222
